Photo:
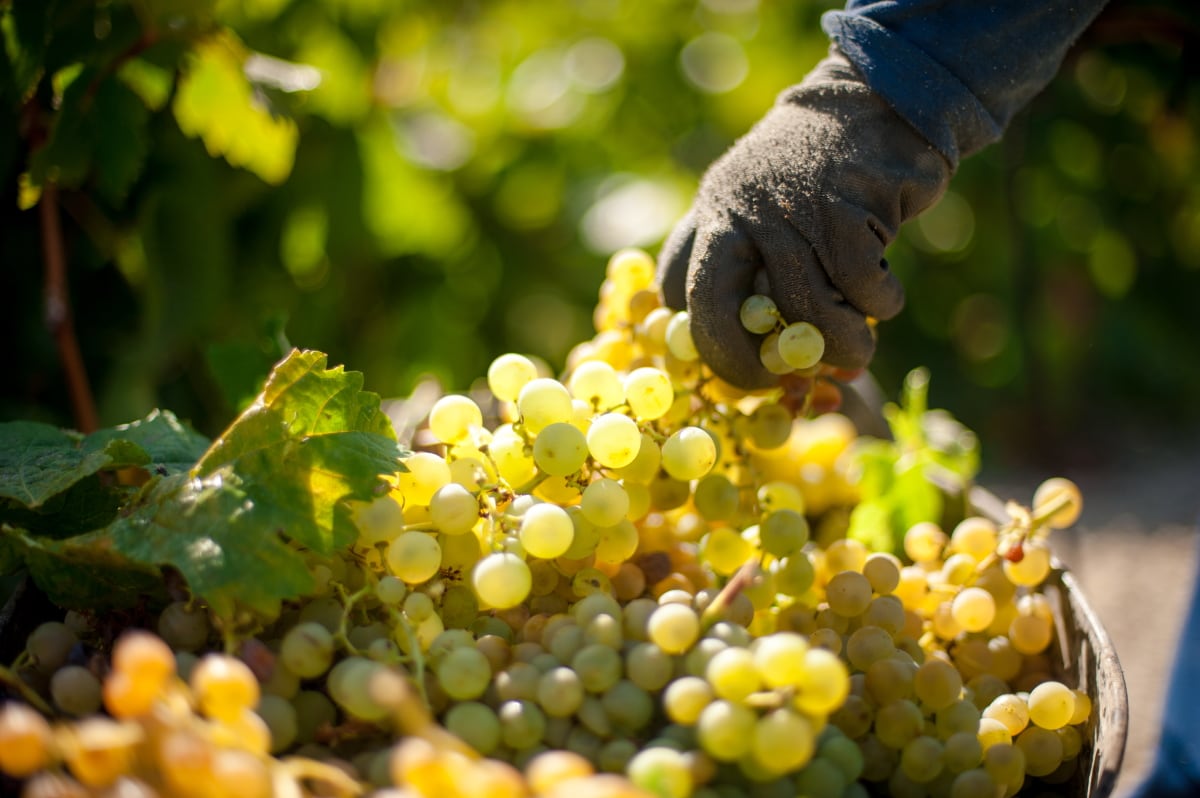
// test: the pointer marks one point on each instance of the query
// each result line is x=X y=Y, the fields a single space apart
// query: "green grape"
x=453 y=509
x=769 y=426
x=314 y=712
x=848 y=593
x=843 y=753
x=783 y=532
x=616 y=754
x=783 y=741
x=898 y=722
x=801 y=345
x=414 y=557
x=307 y=649
x=887 y=613
x=75 y=690
x=732 y=674
x=779 y=659
x=890 y=679
x=974 y=783
x=617 y=543
x=868 y=644
x=649 y=393
x=547 y=531
x=630 y=270
x=716 y=497
x=426 y=473
x=821 y=778
x=49 y=645
x=975 y=536
x=974 y=609
x=391 y=590
x=768 y=354
x=921 y=759
x=599 y=667
x=689 y=454
x=644 y=467
x=882 y=570
x=726 y=730
x=589 y=581
x=629 y=707
x=1083 y=708
x=794 y=575
x=668 y=493
x=725 y=550
x=452 y=419
x=501 y=580
x=685 y=698
x=26 y=741
x=614 y=440
x=560 y=449
x=508 y=374
x=679 y=338
x=604 y=502
x=924 y=542
x=459 y=607
x=962 y=715
x=1042 y=748
x=378 y=521
x=475 y=724
x=280 y=716
x=649 y=667
x=937 y=684
x=463 y=673
x=564 y=641
x=606 y=630
x=223 y=687
x=418 y=607
x=1033 y=567
x=183 y=627
x=673 y=627
x=522 y=724
x=513 y=460
x=1055 y=491
x=991 y=732
x=825 y=683
x=542 y=402
x=662 y=772
x=759 y=314
x=596 y=383
x=1011 y=710
x=560 y=692
x=962 y=751
x=1051 y=705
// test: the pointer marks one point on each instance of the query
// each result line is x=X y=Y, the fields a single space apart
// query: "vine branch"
x=58 y=317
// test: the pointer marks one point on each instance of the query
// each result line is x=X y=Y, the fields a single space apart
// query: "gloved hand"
x=801 y=209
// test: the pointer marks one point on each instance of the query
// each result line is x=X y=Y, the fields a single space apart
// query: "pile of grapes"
x=630 y=582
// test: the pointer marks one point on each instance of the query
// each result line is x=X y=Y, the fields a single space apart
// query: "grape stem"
x=715 y=611
x=30 y=695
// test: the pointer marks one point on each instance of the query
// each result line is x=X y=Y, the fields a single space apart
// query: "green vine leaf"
x=217 y=104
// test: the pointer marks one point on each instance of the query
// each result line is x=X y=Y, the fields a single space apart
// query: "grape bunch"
x=630 y=581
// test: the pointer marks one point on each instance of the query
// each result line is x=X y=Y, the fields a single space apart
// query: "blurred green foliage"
x=416 y=186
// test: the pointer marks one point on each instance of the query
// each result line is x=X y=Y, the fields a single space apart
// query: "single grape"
x=414 y=557
x=546 y=531
x=560 y=449
x=597 y=384
x=1051 y=705
x=801 y=345
x=426 y=473
x=649 y=393
x=452 y=419
x=453 y=509
x=75 y=690
x=1062 y=493
x=464 y=673
x=759 y=314
x=679 y=338
x=543 y=402
x=50 y=644
x=614 y=440
x=508 y=374
x=223 y=687
x=605 y=502
x=501 y=580
x=307 y=650
x=689 y=454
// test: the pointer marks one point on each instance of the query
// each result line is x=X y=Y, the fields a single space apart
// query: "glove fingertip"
x=673 y=260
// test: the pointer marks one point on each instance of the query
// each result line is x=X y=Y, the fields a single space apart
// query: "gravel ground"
x=1134 y=553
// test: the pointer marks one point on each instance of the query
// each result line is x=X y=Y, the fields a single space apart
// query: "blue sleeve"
x=958 y=70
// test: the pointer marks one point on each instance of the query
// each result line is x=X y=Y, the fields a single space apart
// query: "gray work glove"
x=801 y=208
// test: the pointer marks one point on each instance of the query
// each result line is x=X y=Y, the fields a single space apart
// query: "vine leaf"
x=216 y=103
x=233 y=518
